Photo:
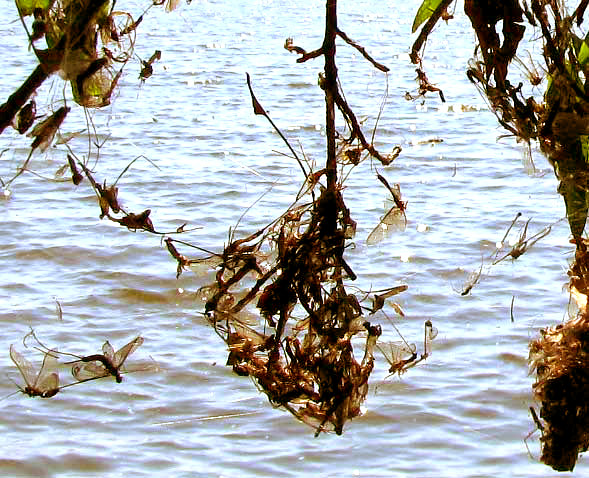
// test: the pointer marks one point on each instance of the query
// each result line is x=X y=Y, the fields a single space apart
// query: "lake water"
x=463 y=412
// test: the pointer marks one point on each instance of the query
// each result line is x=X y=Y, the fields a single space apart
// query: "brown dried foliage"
x=560 y=358
x=300 y=348
x=316 y=377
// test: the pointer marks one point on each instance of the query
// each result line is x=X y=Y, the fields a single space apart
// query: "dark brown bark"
x=330 y=91
x=18 y=99
x=50 y=62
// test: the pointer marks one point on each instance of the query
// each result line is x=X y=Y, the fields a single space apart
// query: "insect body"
x=105 y=364
x=45 y=384
x=394 y=219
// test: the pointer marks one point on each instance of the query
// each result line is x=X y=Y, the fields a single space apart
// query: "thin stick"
x=362 y=50
x=426 y=30
x=129 y=165
x=259 y=110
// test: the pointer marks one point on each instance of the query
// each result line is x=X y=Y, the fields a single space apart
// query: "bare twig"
x=362 y=50
x=259 y=110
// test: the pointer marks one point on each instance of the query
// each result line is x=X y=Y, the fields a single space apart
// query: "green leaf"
x=94 y=90
x=575 y=43
x=27 y=7
x=425 y=11
x=585 y=147
x=575 y=199
x=583 y=56
x=573 y=185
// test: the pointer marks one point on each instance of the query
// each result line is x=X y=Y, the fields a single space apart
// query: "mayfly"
x=530 y=71
x=400 y=355
x=45 y=384
x=430 y=334
x=403 y=355
x=108 y=198
x=380 y=296
x=523 y=244
x=499 y=245
x=105 y=364
x=107 y=195
x=26 y=117
x=183 y=261
x=147 y=68
x=517 y=118
x=394 y=219
x=473 y=279
x=76 y=176
x=45 y=130
x=528 y=163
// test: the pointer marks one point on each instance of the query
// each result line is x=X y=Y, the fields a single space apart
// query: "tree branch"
x=45 y=69
x=426 y=30
x=362 y=50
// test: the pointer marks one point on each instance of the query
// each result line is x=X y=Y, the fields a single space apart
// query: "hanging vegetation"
x=300 y=345
x=560 y=358
x=291 y=276
x=559 y=122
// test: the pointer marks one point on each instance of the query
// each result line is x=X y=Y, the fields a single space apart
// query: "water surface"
x=463 y=412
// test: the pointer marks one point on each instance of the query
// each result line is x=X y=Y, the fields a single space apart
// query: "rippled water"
x=463 y=412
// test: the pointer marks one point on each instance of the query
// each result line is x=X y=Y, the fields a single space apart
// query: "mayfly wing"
x=48 y=380
x=395 y=219
x=144 y=366
x=46 y=383
x=475 y=275
x=402 y=350
x=398 y=351
x=24 y=367
x=473 y=278
x=430 y=334
x=88 y=371
x=391 y=291
x=395 y=191
x=108 y=351
x=248 y=333
x=388 y=357
x=125 y=351
x=528 y=162
x=172 y=5
x=377 y=234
